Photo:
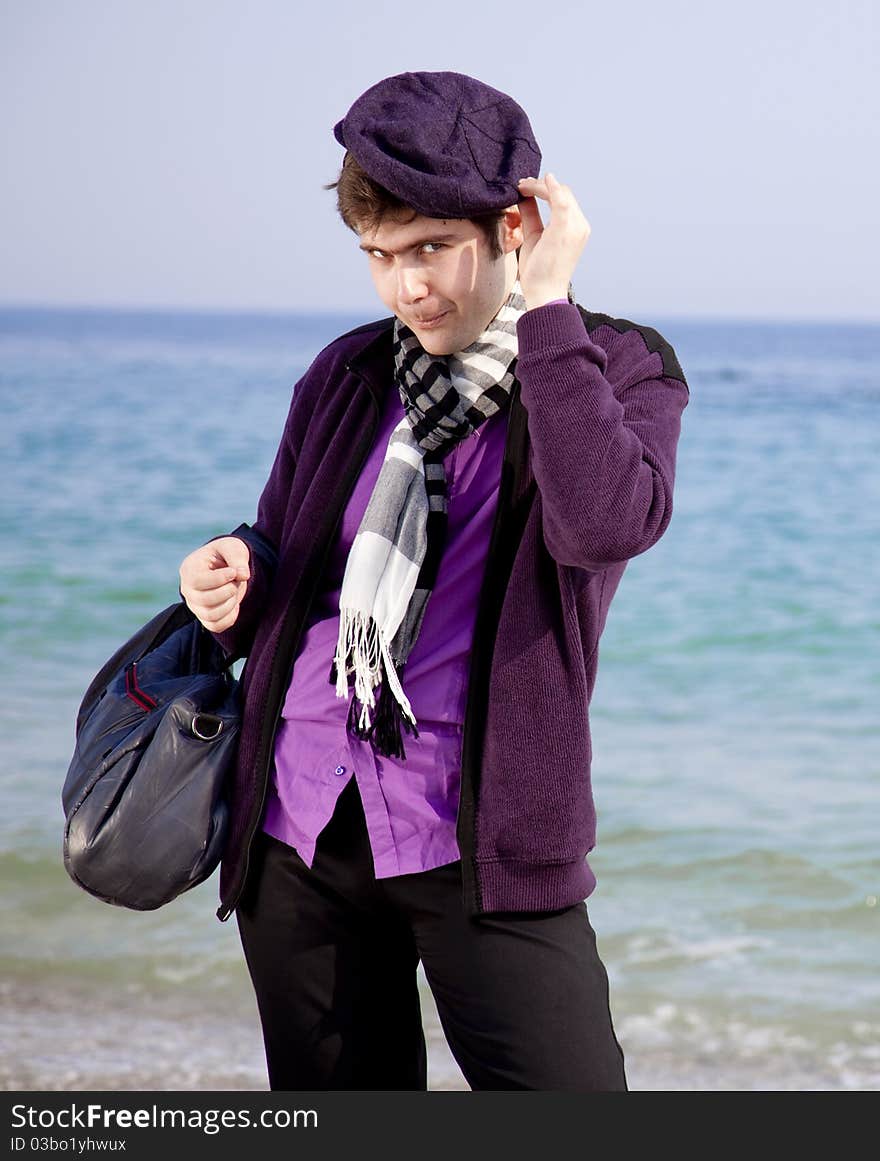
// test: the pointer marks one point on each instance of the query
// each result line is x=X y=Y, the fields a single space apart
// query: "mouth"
x=429 y=323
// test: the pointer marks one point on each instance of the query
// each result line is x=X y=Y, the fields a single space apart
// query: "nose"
x=411 y=284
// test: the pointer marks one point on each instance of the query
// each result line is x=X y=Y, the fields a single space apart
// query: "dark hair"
x=363 y=204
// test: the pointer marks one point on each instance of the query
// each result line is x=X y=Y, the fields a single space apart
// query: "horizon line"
x=12 y=306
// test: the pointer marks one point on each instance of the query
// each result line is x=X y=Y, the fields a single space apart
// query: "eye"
x=375 y=253
x=436 y=246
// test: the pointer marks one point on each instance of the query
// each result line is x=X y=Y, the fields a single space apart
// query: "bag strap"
x=146 y=638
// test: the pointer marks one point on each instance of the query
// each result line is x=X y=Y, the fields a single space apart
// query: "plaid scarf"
x=393 y=562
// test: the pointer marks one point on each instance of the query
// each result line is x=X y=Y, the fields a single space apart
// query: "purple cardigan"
x=586 y=484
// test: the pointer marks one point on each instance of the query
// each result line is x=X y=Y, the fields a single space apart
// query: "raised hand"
x=549 y=253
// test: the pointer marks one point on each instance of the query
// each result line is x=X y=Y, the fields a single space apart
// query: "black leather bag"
x=156 y=736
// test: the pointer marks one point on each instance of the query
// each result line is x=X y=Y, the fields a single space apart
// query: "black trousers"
x=332 y=952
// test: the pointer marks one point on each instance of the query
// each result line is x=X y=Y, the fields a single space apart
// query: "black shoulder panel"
x=654 y=341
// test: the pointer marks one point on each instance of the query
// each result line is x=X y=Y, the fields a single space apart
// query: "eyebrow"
x=440 y=236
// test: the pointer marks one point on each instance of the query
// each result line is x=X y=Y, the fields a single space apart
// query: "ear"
x=511 y=234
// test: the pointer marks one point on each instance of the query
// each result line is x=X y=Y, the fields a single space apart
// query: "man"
x=454 y=499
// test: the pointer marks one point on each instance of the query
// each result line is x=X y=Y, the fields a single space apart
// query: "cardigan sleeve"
x=604 y=423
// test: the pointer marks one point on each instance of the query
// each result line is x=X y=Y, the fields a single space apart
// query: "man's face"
x=438 y=276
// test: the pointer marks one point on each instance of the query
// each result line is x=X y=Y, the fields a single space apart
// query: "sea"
x=735 y=722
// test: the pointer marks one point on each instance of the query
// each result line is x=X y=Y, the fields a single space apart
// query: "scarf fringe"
x=358 y=652
x=363 y=650
x=385 y=730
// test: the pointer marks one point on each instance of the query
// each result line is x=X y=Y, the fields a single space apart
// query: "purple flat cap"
x=444 y=143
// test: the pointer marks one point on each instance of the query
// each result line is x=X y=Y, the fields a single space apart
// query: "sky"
x=173 y=153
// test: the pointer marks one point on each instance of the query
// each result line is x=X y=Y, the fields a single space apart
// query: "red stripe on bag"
x=134 y=691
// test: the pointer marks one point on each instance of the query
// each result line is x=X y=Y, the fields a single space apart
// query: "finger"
x=217 y=597
x=207 y=580
x=239 y=568
x=224 y=623
x=543 y=187
x=565 y=205
x=233 y=551
x=533 y=187
x=562 y=200
x=530 y=216
x=211 y=617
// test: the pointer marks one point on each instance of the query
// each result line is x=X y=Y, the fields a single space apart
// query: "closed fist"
x=213 y=581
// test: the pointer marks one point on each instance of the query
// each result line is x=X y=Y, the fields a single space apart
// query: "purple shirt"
x=410 y=804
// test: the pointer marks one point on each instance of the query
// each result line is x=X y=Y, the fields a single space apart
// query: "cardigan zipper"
x=267 y=737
